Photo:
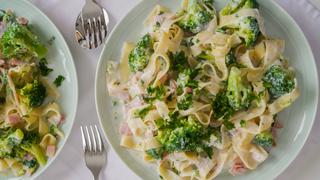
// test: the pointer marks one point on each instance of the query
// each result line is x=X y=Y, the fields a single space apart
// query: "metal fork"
x=94 y=151
x=92 y=25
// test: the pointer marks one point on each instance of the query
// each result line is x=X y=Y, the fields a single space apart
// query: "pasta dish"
x=30 y=117
x=201 y=89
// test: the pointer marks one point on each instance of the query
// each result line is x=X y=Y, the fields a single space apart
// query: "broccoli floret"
x=182 y=134
x=33 y=94
x=9 y=140
x=246 y=27
x=15 y=138
x=197 y=15
x=278 y=81
x=231 y=60
x=185 y=102
x=44 y=70
x=30 y=163
x=31 y=145
x=19 y=42
x=58 y=81
x=239 y=94
x=25 y=74
x=140 y=55
x=221 y=106
x=264 y=140
x=7 y=16
x=235 y=5
x=186 y=78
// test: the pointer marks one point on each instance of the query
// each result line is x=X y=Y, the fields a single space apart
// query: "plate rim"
x=292 y=21
x=75 y=91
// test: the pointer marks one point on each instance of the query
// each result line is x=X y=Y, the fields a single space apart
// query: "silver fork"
x=94 y=151
x=92 y=25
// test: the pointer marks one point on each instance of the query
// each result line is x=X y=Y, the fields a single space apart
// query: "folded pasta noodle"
x=202 y=89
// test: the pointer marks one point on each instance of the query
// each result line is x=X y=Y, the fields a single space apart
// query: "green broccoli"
x=231 y=59
x=19 y=42
x=7 y=16
x=182 y=134
x=25 y=74
x=238 y=92
x=30 y=163
x=278 y=81
x=33 y=94
x=186 y=78
x=264 y=140
x=15 y=138
x=31 y=145
x=43 y=68
x=185 y=102
x=197 y=15
x=58 y=81
x=140 y=55
x=235 y=5
x=9 y=140
x=246 y=27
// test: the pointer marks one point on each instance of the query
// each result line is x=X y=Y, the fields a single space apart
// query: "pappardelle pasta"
x=201 y=89
x=29 y=114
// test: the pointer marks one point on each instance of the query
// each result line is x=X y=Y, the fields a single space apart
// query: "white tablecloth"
x=70 y=165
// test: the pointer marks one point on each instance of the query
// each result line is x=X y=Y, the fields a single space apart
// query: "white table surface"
x=70 y=165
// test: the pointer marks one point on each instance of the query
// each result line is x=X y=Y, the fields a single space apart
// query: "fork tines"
x=96 y=32
x=91 y=139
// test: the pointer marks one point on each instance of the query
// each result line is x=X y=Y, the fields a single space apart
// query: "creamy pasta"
x=30 y=117
x=201 y=89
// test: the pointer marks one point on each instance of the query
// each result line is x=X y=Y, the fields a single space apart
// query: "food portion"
x=201 y=90
x=30 y=117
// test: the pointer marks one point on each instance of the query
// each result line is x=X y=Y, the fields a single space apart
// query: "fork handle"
x=96 y=176
x=90 y=1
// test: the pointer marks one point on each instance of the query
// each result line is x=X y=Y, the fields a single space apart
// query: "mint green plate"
x=59 y=58
x=297 y=119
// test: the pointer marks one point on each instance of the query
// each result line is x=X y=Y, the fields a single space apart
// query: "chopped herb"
x=154 y=93
x=143 y=112
x=155 y=153
x=114 y=103
x=229 y=125
x=243 y=123
x=58 y=81
x=44 y=70
x=51 y=40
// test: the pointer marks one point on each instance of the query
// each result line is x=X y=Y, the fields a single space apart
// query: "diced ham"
x=275 y=128
x=14 y=119
x=189 y=90
x=125 y=130
x=22 y=20
x=16 y=62
x=55 y=120
x=134 y=103
x=28 y=157
x=51 y=150
x=238 y=167
x=62 y=119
